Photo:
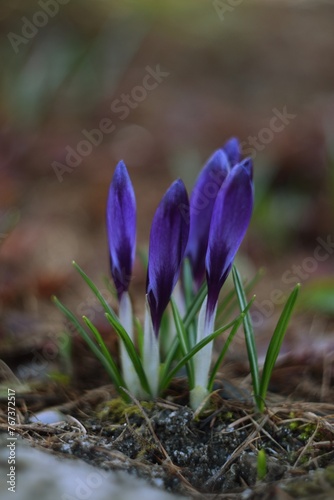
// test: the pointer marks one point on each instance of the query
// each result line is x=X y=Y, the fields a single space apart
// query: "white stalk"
x=202 y=360
x=129 y=373
x=180 y=303
x=151 y=355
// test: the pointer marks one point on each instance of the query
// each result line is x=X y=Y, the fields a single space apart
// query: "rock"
x=42 y=475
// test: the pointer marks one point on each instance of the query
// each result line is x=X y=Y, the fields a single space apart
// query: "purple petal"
x=121 y=228
x=232 y=149
x=230 y=219
x=202 y=201
x=168 y=240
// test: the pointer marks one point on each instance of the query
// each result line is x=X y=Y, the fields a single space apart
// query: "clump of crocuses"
x=208 y=231
x=191 y=252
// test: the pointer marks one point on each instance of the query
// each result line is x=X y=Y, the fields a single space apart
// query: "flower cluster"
x=207 y=231
x=191 y=252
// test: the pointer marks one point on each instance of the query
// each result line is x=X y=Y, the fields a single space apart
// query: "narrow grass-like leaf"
x=172 y=355
x=110 y=286
x=193 y=351
x=107 y=308
x=261 y=464
x=131 y=351
x=227 y=299
x=140 y=336
x=187 y=282
x=275 y=345
x=184 y=341
x=230 y=301
x=195 y=306
x=104 y=349
x=187 y=285
x=65 y=352
x=112 y=371
x=249 y=335
x=164 y=332
x=226 y=346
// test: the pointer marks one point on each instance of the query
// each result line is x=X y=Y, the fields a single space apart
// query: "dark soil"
x=214 y=454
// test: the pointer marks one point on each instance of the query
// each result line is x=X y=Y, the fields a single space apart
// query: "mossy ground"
x=214 y=454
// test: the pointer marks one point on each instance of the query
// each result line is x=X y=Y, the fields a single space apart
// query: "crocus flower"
x=202 y=201
x=232 y=149
x=121 y=228
x=230 y=218
x=168 y=240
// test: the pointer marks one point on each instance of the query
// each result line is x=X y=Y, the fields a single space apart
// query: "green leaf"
x=261 y=464
x=275 y=344
x=187 y=282
x=195 y=306
x=184 y=341
x=227 y=345
x=230 y=301
x=108 y=309
x=140 y=335
x=131 y=351
x=104 y=349
x=193 y=351
x=110 y=286
x=171 y=356
x=249 y=335
x=111 y=369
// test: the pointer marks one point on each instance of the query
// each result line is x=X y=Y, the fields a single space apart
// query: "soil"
x=211 y=454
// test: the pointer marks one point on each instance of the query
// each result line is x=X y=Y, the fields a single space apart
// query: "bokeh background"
x=227 y=68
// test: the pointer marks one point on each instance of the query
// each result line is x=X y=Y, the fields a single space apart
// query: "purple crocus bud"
x=230 y=219
x=202 y=201
x=168 y=240
x=232 y=149
x=121 y=228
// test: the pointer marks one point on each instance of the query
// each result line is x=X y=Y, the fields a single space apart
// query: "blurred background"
x=161 y=84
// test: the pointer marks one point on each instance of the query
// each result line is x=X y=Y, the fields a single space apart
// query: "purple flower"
x=121 y=228
x=202 y=201
x=232 y=149
x=168 y=240
x=230 y=219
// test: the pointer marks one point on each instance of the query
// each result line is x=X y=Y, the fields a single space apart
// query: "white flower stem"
x=129 y=373
x=202 y=360
x=151 y=354
x=168 y=338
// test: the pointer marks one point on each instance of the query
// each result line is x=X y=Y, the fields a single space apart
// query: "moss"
x=117 y=409
x=293 y=425
x=316 y=485
x=329 y=475
x=307 y=431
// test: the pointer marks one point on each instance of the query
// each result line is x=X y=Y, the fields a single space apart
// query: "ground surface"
x=211 y=455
